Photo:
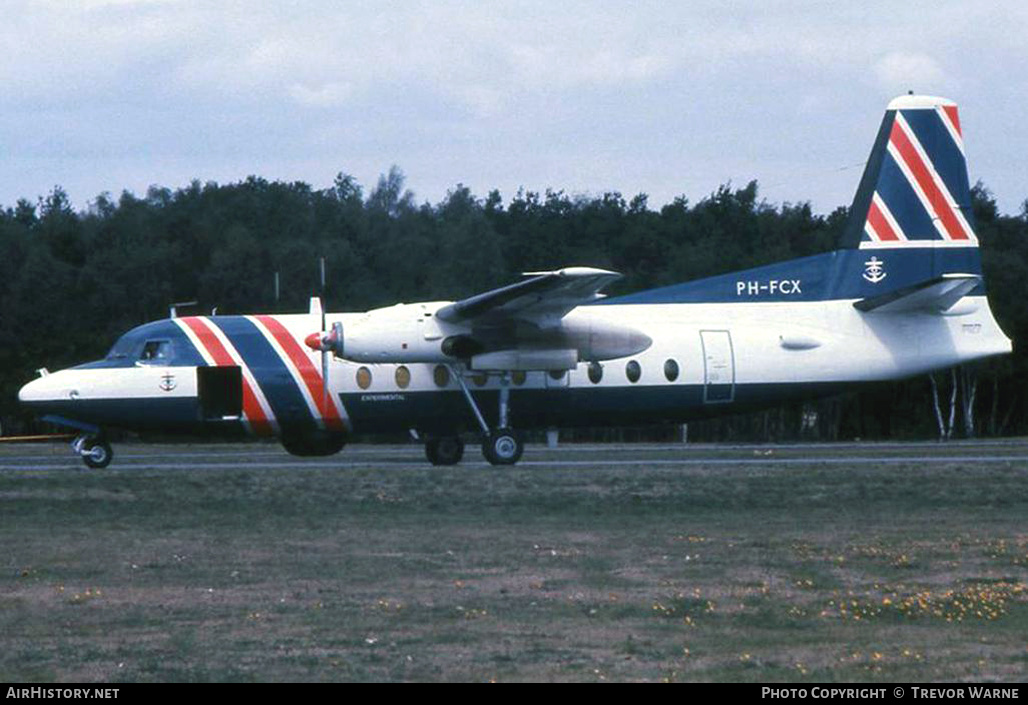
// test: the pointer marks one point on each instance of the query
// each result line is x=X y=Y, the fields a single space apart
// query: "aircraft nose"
x=32 y=391
x=47 y=388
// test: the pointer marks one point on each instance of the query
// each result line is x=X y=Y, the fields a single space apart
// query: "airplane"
x=902 y=295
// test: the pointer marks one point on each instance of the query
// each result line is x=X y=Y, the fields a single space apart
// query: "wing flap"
x=542 y=297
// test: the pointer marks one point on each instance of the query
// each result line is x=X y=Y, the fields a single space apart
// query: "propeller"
x=328 y=343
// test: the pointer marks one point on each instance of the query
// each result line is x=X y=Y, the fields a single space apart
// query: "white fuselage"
x=703 y=359
x=770 y=343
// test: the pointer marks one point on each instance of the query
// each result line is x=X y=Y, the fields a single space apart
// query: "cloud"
x=899 y=72
x=324 y=96
x=636 y=97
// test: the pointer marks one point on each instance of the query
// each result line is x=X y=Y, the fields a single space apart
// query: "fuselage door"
x=718 y=366
x=221 y=392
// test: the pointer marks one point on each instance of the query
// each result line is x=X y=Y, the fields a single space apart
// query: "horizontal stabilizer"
x=935 y=295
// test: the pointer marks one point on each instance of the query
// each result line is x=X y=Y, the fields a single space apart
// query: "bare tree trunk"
x=952 y=403
x=945 y=425
x=935 y=403
x=970 y=388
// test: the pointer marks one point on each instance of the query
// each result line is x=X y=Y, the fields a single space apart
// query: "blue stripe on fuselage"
x=830 y=276
x=444 y=412
x=127 y=350
x=272 y=375
x=171 y=415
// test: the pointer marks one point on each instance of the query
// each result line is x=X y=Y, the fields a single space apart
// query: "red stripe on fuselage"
x=251 y=407
x=881 y=224
x=310 y=374
x=924 y=179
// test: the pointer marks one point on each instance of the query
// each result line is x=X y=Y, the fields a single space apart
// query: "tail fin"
x=914 y=192
x=910 y=233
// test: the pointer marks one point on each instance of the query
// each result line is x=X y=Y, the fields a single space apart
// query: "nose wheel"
x=95 y=452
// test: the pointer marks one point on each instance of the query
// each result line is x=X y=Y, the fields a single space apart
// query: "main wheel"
x=503 y=447
x=313 y=445
x=97 y=453
x=447 y=450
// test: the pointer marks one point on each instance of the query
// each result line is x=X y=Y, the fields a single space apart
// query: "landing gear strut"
x=95 y=452
x=503 y=445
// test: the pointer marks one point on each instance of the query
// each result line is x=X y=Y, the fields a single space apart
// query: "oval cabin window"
x=402 y=377
x=671 y=370
x=363 y=378
x=441 y=375
x=595 y=372
x=519 y=377
x=633 y=371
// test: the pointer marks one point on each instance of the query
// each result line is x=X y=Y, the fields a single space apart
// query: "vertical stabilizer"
x=914 y=191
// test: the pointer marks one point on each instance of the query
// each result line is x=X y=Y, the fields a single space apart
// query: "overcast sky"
x=667 y=98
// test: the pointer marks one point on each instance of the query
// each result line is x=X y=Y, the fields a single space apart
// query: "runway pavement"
x=850 y=562
x=28 y=457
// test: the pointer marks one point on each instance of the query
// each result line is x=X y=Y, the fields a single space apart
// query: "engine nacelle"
x=412 y=333
x=594 y=338
x=400 y=334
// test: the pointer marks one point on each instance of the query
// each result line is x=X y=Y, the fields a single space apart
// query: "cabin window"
x=441 y=376
x=595 y=372
x=156 y=352
x=556 y=374
x=633 y=371
x=402 y=377
x=519 y=377
x=363 y=378
x=480 y=378
x=671 y=370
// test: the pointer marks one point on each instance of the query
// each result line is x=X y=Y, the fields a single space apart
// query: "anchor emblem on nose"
x=168 y=382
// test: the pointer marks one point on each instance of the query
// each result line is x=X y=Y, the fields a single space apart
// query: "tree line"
x=72 y=281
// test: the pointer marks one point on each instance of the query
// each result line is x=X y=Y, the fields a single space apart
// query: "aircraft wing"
x=542 y=298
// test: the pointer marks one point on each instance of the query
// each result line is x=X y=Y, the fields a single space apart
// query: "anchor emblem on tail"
x=874 y=270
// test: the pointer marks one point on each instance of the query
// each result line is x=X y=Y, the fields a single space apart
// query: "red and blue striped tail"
x=915 y=191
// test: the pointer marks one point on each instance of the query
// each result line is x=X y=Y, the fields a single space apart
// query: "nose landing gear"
x=95 y=452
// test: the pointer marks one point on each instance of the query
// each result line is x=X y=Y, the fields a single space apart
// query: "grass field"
x=239 y=563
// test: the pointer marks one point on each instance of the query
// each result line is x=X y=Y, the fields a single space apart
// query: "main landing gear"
x=95 y=452
x=444 y=450
x=502 y=445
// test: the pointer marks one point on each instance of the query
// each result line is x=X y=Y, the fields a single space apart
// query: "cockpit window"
x=156 y=352
x=121 y=349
